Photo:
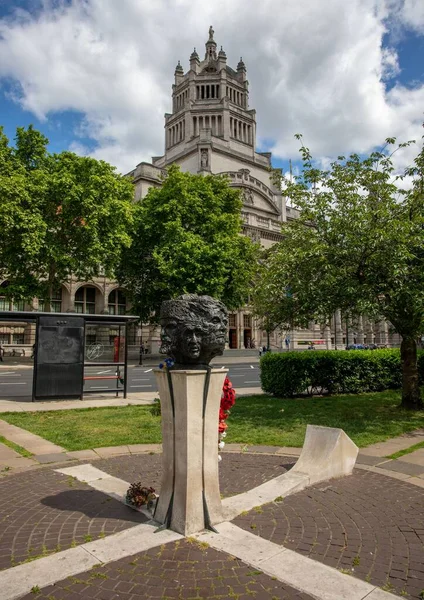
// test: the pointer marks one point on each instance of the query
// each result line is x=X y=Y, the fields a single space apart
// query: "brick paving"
x=368 y=525
x=184 y=570
x=237 y=472
x=42 y=512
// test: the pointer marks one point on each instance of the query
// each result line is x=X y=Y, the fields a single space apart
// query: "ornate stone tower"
x=210 y=111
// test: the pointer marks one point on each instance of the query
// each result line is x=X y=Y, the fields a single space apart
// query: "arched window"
x=117 y=303
x=8 y=303
x=85 y=300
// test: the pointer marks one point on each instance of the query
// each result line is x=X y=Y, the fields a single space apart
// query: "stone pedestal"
x=189 y=499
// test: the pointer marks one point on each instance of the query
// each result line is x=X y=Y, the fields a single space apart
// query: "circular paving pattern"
x=43 y=512
x=368 y=525
x=237 y=472
x=184 y=570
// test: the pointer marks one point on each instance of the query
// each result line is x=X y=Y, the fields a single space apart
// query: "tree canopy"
x=60 y=214
x=357 y=246
x=186 y=239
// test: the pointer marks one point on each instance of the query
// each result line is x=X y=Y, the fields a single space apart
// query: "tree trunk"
x=411 y=394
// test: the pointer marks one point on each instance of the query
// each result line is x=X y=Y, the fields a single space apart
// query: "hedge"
x=288 y=374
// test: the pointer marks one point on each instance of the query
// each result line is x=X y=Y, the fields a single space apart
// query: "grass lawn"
x=262 y=420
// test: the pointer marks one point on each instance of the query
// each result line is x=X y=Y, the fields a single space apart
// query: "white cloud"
x=412 y=14
x=314 y=67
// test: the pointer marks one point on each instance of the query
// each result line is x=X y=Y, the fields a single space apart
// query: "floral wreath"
x=228 y=400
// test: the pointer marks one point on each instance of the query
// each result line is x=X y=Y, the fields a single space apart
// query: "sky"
x=95 y=76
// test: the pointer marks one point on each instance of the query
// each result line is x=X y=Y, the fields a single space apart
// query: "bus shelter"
x=67 y=343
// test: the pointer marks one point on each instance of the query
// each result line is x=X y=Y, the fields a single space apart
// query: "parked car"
x=355 y=347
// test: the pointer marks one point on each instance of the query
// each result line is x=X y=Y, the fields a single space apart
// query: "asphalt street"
x=16 y=381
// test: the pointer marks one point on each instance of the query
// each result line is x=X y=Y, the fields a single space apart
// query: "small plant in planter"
x=139 y=495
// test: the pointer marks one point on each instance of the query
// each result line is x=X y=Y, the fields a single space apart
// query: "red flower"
x=228 y=399
x=222 y=415
x=222 y=427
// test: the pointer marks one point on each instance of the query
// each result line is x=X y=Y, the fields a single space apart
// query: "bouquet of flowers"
x=139 y=495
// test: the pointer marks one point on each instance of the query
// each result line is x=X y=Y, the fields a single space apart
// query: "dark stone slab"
x=364 y=459
x=403 y=467
x=183 y=570
x=54 y=457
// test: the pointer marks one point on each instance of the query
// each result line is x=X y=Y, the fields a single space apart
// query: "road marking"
x=100 y=388
x=256 y=381
x=101 y=372
x=8 y=373
x=252 y=367
x=140 y=386
x=14 y=383
x=142 y=379
x=222 y=368
x=148 y=370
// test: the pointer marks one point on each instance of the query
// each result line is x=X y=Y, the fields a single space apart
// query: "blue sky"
x=95 y=76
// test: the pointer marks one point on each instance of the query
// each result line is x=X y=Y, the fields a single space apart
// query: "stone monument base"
x=190 y=400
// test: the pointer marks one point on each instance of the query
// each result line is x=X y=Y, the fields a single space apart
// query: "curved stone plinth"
x=327 y=453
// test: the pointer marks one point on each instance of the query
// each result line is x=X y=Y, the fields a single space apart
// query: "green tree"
x=186 y=239
x=358 y=246
x=60 y=215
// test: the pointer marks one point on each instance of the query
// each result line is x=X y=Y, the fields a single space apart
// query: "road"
x=15 y=381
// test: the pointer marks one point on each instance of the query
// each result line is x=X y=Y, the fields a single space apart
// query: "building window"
x=4 y=338
x=18 y=338
x=55 y=302
x=232 y=320
x=90 y=338
x=247 y=321
x=7 y=303
x=85 y=300
x=117 y=303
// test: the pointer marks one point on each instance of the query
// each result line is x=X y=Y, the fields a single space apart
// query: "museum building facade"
x=211 y=129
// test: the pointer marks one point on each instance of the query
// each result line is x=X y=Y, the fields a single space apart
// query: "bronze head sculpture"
x=194 y=330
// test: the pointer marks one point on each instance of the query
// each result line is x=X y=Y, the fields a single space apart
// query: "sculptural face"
x=194 y=329
x=192 y=341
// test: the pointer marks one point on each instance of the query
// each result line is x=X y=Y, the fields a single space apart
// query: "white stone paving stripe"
x=300 y=572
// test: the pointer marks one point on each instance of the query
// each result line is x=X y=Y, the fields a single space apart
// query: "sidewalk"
x=21 y=404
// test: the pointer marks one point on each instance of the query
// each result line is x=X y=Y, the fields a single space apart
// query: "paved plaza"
x=364 y=534
x=67 y=535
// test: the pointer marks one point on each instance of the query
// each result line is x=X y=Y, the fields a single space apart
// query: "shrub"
x=288 y=374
